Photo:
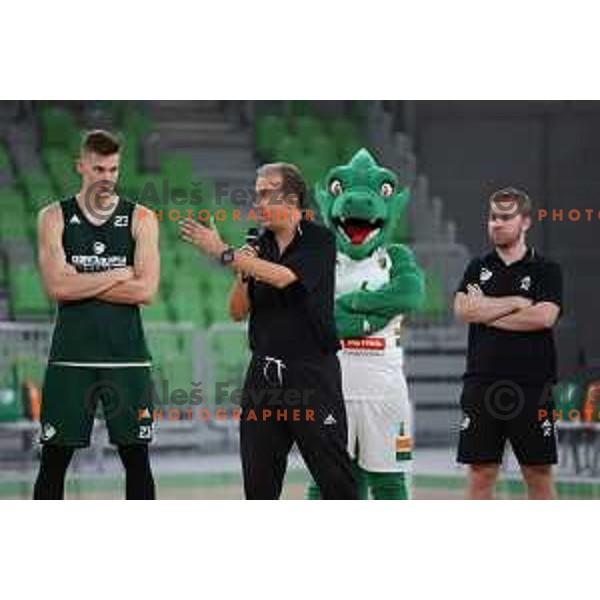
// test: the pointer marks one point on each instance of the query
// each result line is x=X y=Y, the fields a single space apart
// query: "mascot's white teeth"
x=371 y=235
x=341 y=230
x=357 y=230
x=367 y=239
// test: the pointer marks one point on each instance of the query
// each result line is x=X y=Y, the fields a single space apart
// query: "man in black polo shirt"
x=511 y=298
x=292 y=391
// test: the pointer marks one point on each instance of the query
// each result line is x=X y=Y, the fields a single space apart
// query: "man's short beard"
x=509 y=243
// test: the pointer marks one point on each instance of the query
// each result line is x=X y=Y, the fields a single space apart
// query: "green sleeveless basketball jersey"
x=91 y=330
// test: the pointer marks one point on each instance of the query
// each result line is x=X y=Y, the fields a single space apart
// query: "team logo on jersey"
x=48 y=432
x=525 y=283
x=95 y=262
x=74 y=220
x=546 y=428
x=485 y=275
x=121 y=221
x=98 y=263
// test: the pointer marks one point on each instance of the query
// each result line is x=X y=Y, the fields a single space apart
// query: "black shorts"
x=495 y=412
x=299 y=401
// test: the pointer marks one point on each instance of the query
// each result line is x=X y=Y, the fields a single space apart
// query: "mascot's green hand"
x=404 y=293
x=356 y=324
x=351 y=301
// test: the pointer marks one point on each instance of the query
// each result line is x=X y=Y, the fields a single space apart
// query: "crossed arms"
x=511 y=313
x=137 y=285
x=363 y=312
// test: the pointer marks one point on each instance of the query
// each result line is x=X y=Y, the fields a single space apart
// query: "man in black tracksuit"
x=292 y=391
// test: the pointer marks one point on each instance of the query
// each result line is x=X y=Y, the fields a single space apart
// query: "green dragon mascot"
x=377 y=284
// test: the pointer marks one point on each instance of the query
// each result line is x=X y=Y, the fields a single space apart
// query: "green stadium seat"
x=15 y=221
x=269 y=129
x=177 y=167
x=289 y=148
x=11 y=406
x=296 y=109
x=59 y=129
x=231 y=356
x=156 y=312
x=62 y=171
x=29 y=368
x=138 y=123
x=14 y=230
x=358 y=111
x=215 y=307
x=28 y=298
x=187 y=301
x=308 y=129
x=10 y=197
x=149 y=190
x=38 y=188
x=170 y=363
x=347 y=140
x=316 y=162
x=130 y=169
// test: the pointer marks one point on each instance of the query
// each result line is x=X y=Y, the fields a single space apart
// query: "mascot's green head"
x=361 y=202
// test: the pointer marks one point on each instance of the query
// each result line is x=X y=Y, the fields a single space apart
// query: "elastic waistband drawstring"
x=269 y=360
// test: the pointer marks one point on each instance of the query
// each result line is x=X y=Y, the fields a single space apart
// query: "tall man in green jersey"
x=98 y=257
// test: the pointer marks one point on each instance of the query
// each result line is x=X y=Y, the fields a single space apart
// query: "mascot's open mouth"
x=358 y=231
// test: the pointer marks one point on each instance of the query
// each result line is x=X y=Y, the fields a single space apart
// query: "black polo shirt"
x=298 y=320
x=522 y=357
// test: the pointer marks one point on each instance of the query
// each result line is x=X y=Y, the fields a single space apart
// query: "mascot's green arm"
x=404 y=293
x=356 y=324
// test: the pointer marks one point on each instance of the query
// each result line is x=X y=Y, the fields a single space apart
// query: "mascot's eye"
x=387 y=189
x=335 y=187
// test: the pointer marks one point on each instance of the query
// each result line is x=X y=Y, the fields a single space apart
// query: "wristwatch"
x=228 y=255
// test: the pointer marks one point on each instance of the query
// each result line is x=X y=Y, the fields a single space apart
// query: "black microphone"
x=252 y=236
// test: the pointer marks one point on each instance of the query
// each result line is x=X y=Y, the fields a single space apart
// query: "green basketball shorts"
x=72 y=397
